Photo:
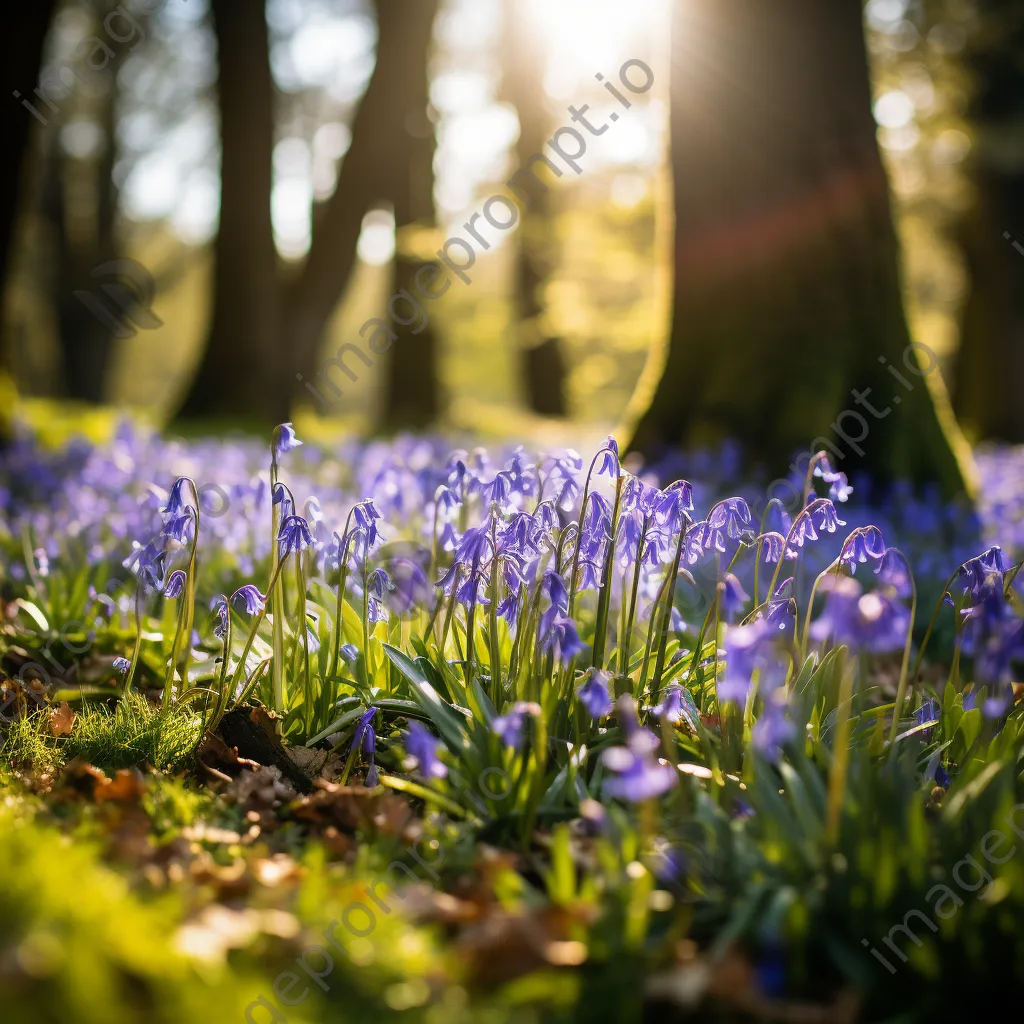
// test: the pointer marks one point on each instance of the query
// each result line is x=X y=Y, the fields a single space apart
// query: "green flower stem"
x=901 y=689
x=605 y=597
x=840 y=752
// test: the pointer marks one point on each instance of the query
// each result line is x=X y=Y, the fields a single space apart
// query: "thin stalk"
x=666 y=617
x=840 y=752
x=901 y=689
x=257 y=622
x=628 y=629
x=138 y=636
x=605 y=597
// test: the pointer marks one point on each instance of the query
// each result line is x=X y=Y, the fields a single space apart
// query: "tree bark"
x=243 y=372
x=27 y=25
x=84 y=244
x=376 y=168
x=787 y=295
x=989 y=376
x=542 y=365
x=412 y=393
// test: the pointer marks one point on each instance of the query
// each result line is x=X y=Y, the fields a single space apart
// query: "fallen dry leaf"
x=62 y=719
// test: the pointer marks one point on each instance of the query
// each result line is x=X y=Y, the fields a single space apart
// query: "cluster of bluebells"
x=993 y=631
x=548 y=545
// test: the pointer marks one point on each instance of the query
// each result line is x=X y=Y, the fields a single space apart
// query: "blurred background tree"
x=992 y=323
x=787 y=292
x=280 y=169
x=543 y=365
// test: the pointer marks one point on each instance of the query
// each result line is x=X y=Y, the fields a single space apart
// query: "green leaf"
x=443 y=715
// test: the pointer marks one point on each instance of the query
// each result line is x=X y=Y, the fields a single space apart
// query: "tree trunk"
x=27 y=25
x=787 y=299
x=412 y=395
x=377 y=167
x=990 y=366
x=85 y=240
x=243 y=373
x=542 y=365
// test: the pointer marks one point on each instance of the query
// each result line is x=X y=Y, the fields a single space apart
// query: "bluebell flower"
x=409 y=586
x=500 y=490
x=893 y=571
x=638 y=775
x=366 y=516
x=732 y=596
x=281 y=495
x=864 y=544
x=941 y=778
x=379 y=583
x=424 y=746
x=251 y=598
x=823 y=514
x=593 y=693
x=608 y=458
x=122 y=665
x=175 y=505
x=146 y=563
x=839 y=488
x=510 y=726
x=772 y=730
x=638 y=496
x=771 y=544
x=219 y=605
x=553 y=587
x=447 y=498
x=870 y=622
x=563 y=639
x=517 y=534
x=294 y=535
x=349 y=652
x=285 y=440
x=175 y=584
x=365 y=738
x=731 y=516
x=974 y=573
x=179 y=527
x=671 y=506
x=671 y=706
x=750 y=649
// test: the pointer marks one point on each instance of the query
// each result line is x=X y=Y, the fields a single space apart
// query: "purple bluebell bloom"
x=563 y=639
x=823 y=513
x=864 y=544
x=122 y=665
x=893 y=571
x=593 y=694
x=608 y=458
x=509 y=727
x=175 y=584
x=731 y=516
x=251 y=598
x=671 y=706
x=285 y=439
x=638 y=775
x=365 y=738
x=864 y=622
x=294 y=535
x=772 y=730
x=672 y=505
x=732 y=596
x=974 y=573
x=219 y=606
x=424 y=746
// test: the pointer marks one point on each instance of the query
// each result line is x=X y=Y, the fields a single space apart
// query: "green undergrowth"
x=133 y=734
